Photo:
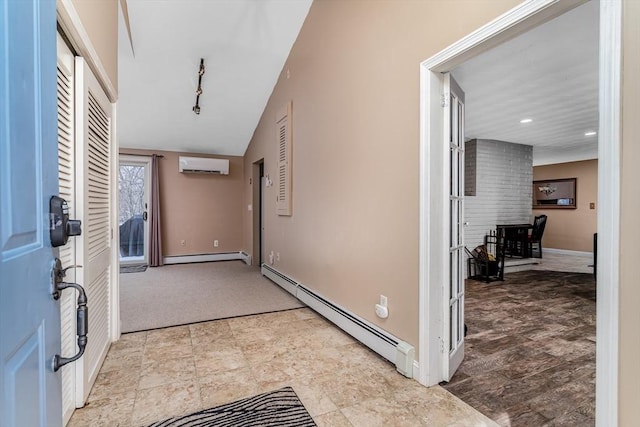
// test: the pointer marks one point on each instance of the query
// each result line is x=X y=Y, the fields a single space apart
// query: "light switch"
x=592 y=205
x=249 y=208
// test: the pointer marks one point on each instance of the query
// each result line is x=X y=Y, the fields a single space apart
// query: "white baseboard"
x=517 y=262
x=566 y=252
x=378 y=340
x=281 y=280
x=245 y=257
x=222 y=256
x=368 y=334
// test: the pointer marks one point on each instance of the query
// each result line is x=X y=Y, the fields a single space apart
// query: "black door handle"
x=82 y=314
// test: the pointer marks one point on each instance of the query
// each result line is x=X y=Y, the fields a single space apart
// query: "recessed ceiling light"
x=526 y=120
x=590 y=133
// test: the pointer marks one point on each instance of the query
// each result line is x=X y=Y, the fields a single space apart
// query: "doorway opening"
x=133 y=194
x=259 y=182
x=435 y=210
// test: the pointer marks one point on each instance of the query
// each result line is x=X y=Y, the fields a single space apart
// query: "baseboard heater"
x=220 y=256
x=401 y=353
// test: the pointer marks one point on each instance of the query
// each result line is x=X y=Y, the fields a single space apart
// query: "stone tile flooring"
x=149 y=376
x=564 y=262
x=530 y=349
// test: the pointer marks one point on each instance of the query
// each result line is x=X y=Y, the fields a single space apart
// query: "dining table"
x=516 y=238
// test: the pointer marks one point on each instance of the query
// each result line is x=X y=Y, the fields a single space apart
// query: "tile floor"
x=149 y=376
x=563 y=262
x=530 y=349
x=551 y=262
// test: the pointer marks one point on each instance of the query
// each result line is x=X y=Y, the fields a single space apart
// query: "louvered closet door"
x=93 y=168
x=66 y=182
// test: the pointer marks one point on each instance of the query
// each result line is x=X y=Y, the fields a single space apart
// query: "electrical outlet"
x=381 y=309
x=592 y=205
x=183 y=242
x=216 y=243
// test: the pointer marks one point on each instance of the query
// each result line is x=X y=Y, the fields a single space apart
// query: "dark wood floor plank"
x=530 y=349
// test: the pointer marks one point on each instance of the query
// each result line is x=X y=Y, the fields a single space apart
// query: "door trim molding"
x=145 y=162
x=609 y=149
x=74 y=29
x=257 y=214
x=432 y=213
x=115 y=235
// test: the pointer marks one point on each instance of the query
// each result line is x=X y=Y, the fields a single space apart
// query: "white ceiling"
x=244 y=44
x=550 y=75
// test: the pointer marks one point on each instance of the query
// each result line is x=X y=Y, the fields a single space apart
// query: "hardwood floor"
x=530 y=349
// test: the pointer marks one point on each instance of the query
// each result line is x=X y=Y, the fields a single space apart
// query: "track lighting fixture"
x=196 y=108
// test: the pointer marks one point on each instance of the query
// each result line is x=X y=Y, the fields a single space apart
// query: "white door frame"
x=71 y=23
x=433 y=183
x=143 y=161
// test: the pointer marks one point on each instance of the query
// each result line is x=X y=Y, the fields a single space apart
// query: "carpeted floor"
x=530 y=349
x=276 y=408
x=188 y=293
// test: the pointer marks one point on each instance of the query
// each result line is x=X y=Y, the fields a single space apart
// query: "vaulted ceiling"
x=548 y=75
x=244 y=44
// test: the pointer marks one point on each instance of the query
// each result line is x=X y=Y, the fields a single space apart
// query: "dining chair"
x=535 y=238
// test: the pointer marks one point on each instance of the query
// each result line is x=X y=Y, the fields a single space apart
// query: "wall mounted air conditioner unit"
x=203 y=165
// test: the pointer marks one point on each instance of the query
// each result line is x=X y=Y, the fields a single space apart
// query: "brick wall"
x=502 y=173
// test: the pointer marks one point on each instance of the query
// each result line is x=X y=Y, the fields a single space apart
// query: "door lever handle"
x=64 y=271
x=82 y=313
x=57 y=274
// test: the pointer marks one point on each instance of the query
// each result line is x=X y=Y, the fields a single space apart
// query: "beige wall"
x=199 y=208
x=571 y=229
x=354 y=83
x=100 y=21
x=629 y=354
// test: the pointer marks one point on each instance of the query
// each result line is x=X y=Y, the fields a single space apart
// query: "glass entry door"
x=133 y=196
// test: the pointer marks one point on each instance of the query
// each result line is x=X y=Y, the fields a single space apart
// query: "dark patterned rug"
x=276 y=408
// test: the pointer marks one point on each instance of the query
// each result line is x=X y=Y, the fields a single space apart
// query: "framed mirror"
x=555 y=194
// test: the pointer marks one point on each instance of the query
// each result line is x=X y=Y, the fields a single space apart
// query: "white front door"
x=454 y=291
x=29 y=316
